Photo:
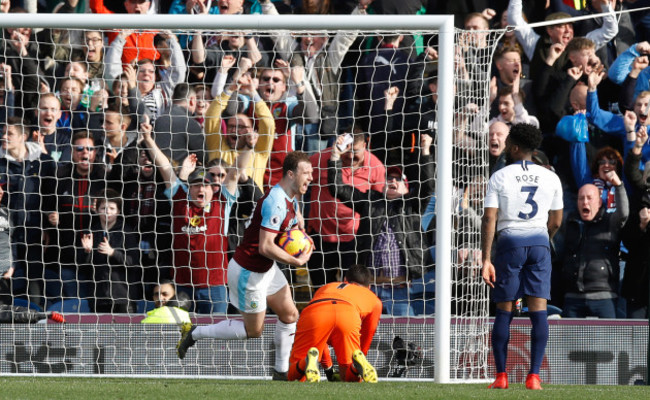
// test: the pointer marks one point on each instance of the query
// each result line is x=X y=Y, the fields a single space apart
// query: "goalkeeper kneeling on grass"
x=344 y=315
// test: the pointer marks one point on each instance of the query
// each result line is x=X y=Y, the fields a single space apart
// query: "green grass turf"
x=191 y=389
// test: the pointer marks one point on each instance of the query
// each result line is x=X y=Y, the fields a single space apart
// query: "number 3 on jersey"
x=531 y=190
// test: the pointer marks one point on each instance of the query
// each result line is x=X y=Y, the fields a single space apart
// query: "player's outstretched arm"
x=488 y=228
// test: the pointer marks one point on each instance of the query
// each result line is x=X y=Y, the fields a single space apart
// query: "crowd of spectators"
x=131 y=159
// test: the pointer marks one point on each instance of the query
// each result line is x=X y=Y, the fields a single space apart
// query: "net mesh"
x=72 y=246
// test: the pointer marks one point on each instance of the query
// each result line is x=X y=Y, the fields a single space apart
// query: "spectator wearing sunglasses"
x=287 y=110
x=607 y=159
x=322 y=59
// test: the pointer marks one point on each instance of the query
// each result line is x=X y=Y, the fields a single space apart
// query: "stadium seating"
x=70 y=306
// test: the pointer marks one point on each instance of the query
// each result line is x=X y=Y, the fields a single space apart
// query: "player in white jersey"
x=523 y=207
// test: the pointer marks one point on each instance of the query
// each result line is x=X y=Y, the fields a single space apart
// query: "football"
x=295 y=242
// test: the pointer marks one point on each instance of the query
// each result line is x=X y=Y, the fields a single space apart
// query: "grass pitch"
x=192 y=389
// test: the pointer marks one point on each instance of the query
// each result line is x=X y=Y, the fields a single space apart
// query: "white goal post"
x=446 y=204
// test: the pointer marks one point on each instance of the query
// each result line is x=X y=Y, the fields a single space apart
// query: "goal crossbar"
x=227 y=22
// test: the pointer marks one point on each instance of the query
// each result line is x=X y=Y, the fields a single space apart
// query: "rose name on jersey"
x=527 y=178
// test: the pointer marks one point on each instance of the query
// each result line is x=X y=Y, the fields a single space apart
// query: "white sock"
x=230 y=329
x=283 y=340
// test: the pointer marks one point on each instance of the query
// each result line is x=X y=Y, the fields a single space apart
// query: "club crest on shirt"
x=277 y=111
x=275 y=220
x=195 y=221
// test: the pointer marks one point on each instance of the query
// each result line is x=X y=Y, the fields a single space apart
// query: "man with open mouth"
x=199 y=225
x=79 y=182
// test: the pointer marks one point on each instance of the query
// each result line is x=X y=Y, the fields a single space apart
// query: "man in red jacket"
x=139 y=45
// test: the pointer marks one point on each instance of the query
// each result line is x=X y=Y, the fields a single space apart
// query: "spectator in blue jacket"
x=622 y=66
x=623 y=127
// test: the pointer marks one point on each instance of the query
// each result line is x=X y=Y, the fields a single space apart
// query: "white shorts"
x=248 y=290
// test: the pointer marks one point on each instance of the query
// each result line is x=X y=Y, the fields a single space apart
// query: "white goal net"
x=90 y=229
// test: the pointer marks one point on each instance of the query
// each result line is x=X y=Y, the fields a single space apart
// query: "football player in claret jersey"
x=523 y=206
x=254 y=279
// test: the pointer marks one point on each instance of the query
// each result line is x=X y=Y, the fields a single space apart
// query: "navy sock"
x=538 y=339
x=500 y=338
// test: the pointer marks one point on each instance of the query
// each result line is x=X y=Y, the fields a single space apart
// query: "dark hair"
x=117 y=107
x=217 y=161
x=503 y=50
x=162 y=282
x=292 y=160
x=87 y=31
x=166 y=282
x=181 y=300
x=182 y=92
x=579 y=44
x=17 y=122
x=358 y=134
x=504 y=91
x=607 y=152
x=319 y=7
x=507 y=91
x=82 y=135
x=110 y=195
x=388 y=37
x=144 y=61
x=526 y=136
x=358 y=273
x=477 y=15
x=158 y=39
